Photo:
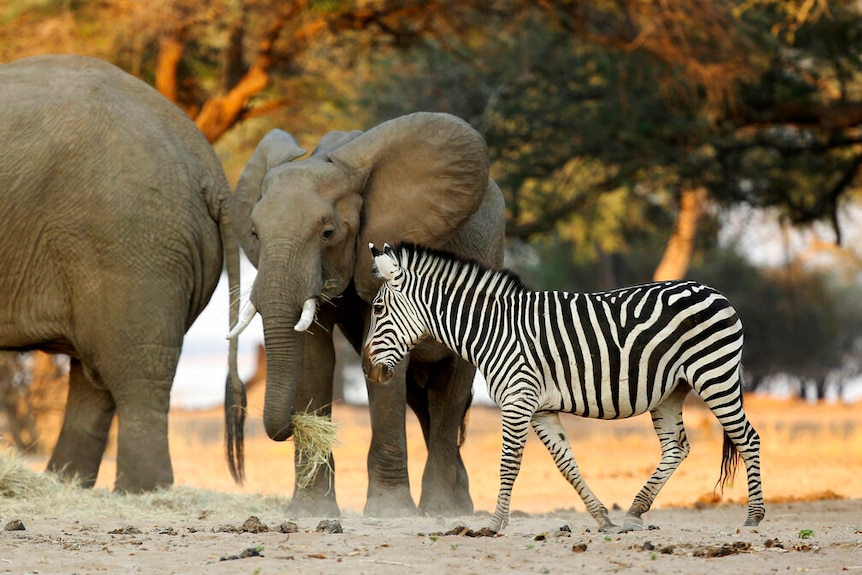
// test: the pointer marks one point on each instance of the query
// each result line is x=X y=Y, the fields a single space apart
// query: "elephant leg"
x=89 y=412
x=445 y=486
x=417 y=395
x=137 y=365
x=314 y=395
x=388 y=481
x=143 y=402
x=143 y=454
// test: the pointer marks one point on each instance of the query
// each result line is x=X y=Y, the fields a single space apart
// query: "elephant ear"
x=276 y=148
x=332 y=141
x=421 y=176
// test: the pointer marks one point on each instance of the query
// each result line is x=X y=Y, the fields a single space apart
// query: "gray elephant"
x=113 y=232
x=306 y=224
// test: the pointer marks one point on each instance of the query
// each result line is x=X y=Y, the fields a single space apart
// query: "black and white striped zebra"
x=606 y=355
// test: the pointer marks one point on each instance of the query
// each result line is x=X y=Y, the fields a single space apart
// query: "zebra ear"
x=384 y=263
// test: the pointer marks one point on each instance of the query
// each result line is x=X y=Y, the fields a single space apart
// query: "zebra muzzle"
x=376 y=372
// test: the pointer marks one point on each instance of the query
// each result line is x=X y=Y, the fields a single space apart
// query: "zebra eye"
x=378 y=307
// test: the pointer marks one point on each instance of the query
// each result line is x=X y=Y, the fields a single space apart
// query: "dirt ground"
x=812 y=473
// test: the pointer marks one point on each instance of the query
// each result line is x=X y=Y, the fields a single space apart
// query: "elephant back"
x=116 y=158
x=125 y=121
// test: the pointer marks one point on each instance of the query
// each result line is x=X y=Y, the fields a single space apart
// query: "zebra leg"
x=749 y=450
x=668 y=425
x=516 y=421
x=724 y=399
x=547 y=426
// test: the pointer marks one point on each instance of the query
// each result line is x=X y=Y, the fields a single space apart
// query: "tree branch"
x=219 y=114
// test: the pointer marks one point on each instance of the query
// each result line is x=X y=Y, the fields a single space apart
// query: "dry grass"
x=17 y=480
x=24 y=492
x=314 y=436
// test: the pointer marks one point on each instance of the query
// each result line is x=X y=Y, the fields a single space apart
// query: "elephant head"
x=306 y=223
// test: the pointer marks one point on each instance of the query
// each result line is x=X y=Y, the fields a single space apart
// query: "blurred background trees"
x=627 y=135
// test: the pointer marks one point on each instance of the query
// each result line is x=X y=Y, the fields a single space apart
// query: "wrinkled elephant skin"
x=113 y=231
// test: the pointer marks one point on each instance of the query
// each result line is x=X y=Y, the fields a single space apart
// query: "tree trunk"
x=677 y=254
x=167 y=66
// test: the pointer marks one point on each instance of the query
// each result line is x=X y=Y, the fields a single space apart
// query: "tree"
x=683 y=107
x=210 y=58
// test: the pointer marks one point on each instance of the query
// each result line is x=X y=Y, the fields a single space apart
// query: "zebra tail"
x=729 y=454
x=729 y=463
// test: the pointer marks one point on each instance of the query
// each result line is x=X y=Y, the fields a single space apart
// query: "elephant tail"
x=234 y=393
x=462 y=429
x=234 y=416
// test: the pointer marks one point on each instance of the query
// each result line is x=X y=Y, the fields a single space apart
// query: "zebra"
x=605 y=355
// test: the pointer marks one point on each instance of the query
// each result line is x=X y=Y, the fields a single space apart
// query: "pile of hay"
x=28 y=493
x=314 y=436
x=18 y=480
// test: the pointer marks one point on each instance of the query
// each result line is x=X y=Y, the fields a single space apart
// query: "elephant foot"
x=80 y=470
x=395 y=502
x=446 y=505
x=130 y=484
x=68 y=473
x=310 y=505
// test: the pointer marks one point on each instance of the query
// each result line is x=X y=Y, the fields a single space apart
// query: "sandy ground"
x=812 y=472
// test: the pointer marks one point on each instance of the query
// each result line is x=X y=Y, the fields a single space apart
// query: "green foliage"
x=570 y=118
x=805 y=533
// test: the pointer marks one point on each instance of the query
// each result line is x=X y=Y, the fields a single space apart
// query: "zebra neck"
x=472 y=326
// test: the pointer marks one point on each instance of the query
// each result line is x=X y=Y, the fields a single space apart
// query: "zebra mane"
x=447 y=267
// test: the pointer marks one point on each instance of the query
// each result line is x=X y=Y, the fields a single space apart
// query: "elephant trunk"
x=282 y=359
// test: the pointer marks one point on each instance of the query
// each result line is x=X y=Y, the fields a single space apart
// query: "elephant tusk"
x=245 y=317
x=309 y=308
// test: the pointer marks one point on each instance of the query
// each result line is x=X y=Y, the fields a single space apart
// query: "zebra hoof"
x=754 y=518
x=633 y=524
x=611 y=528
x=496 y=525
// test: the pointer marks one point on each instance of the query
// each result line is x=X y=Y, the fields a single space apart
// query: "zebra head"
x=395 y=326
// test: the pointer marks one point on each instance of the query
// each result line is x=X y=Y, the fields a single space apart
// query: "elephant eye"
x=328 y=232
x=254 y=233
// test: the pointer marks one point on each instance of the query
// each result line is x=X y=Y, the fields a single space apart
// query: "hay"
x=18 y=480
x=24 y=492
x=314 y=436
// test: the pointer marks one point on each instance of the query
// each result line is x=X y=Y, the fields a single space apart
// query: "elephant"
x=305 y=224
x=114 y=228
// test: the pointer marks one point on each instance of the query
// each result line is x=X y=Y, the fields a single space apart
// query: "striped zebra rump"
x=617 y=354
